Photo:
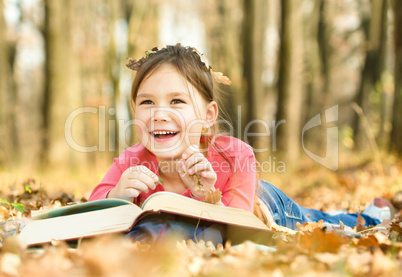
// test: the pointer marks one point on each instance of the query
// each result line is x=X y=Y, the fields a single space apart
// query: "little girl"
x=181 y=151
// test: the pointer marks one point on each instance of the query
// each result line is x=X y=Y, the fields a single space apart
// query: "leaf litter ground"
x=313 y=250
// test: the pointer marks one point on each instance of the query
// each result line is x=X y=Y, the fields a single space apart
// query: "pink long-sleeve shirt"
x=236 y=181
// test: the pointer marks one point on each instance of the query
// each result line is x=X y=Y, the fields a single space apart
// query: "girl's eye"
x=177 y=101
x=146 y=102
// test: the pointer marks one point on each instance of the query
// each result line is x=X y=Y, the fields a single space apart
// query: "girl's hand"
x=194 y=163
x=133 y=181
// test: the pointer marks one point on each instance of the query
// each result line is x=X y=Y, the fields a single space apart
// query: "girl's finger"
x=150 y=182
x=190 y=151
x=207 y=175
x=147 y=177
x=131 y=193
x=199 y=167
x=182 y=170
x=194 y=159
x=138 y=185
x=140 y=169
x=184 y=175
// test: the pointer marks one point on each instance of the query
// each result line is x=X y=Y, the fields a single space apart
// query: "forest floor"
x=313 y=250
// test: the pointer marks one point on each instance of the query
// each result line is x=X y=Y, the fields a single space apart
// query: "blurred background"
x=64 y=86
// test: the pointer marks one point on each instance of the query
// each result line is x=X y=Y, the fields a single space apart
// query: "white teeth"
x=163 y=133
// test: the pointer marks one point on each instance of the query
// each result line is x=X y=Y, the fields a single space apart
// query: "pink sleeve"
x=108 y=182
x=239 y=190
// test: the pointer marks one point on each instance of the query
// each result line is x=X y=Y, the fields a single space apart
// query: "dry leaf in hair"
x=134 y=64
x=219 y=77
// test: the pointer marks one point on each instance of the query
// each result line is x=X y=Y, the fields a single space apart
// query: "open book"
x=116 y=215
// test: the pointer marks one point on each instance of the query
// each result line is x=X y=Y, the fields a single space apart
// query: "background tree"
x=374 y=26
x=289 y=59
x=143 y=34
x=396 y=134
x=5 y=89
x=61 y=86
x=253 y=32
x=317 y=75
x=9 y=147
x=224 y=51
x=290 y=83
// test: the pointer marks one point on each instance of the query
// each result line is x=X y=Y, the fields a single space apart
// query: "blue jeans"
x=286 y=212
x=153 y=229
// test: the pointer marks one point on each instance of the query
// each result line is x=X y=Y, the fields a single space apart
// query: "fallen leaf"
x=320 y=241
x=360 y=223
x=309 y=226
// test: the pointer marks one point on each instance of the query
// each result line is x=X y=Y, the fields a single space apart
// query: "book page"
x=116 y=219
x=79 y=208
x=175 y=203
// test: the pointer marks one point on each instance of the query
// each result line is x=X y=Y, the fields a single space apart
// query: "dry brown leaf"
x=196 y=179
x=368 y=241
x=282 y=229
x=4 y=213
x=219 y=77
x=320 y=241
x=382 y=239
x=396 y=228
x=213 y=196
x=360 y=223
x=309 y=226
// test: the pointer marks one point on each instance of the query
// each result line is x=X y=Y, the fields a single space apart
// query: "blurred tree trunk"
x=373 y=26
x=253 y=35
x=315 y=52
x=222 y=27
x=396 y=133
x=143 y=27
x=8 y=134
x=290 y=83
x=62 y=93
x=143 y=31
x=95 y=84
x=317 y=73
x=5 y=77
x=114 y=62
x=383 y=135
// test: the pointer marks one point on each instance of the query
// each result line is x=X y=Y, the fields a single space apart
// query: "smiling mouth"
x=164 y=134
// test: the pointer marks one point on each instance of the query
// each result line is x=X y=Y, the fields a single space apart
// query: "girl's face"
x=167 y=119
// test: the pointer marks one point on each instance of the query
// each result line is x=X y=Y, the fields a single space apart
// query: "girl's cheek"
x=142 y=135
x=139 y=132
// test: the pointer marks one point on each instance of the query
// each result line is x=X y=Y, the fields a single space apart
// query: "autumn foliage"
x=313 y=250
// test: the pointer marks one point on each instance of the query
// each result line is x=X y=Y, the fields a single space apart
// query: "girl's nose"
x=161 y=114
